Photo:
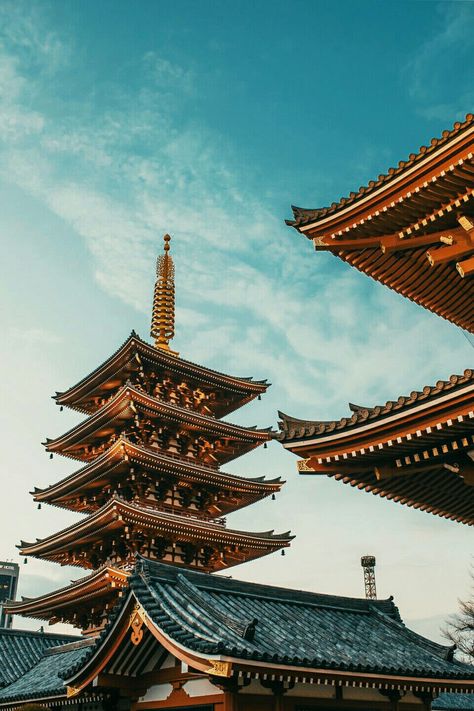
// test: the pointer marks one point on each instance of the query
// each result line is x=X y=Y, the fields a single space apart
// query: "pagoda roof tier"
x=116 y=370
x=73 y=603
x=411 y=229
x=115 y=463
x=418 y=450
x=128 y=402
x=120 y=523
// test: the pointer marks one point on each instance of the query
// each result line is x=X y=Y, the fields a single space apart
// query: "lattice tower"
x=368 y=564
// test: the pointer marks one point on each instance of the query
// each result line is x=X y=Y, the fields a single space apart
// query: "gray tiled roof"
x=43 y=679
x=21 y=649
x=454 y=702
x=212 y=614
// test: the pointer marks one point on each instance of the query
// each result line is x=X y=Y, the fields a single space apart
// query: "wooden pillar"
x=426 y=697
x=230 y=688
x=393 y=695
x=230 y=700
x=278 y=700
x=279 y=688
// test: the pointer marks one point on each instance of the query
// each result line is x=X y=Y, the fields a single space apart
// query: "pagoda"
x=151 y=446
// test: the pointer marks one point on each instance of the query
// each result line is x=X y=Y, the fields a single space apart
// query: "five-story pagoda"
x=151 y=445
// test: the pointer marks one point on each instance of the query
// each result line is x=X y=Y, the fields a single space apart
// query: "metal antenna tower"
x=368 y=564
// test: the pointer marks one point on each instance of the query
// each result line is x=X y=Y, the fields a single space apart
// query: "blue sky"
x=120 y=121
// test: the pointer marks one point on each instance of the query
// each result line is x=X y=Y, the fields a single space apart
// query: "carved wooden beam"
x=466 y=267
x=463 y=244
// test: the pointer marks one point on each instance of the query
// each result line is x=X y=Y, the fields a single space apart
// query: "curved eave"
x=155 y=461
x=391 y=187
x=247 y=387
x=252 y=665
x=128 y=395
x=407 y=416
x=116 y=512
x=437 y=491
x=99 y=584
x=414 y=232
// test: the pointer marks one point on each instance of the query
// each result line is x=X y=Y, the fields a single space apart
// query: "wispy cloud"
x=121 y=166
x=122 y=175
x=440 y=57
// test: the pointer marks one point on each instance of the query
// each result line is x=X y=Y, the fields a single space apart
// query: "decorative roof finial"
x=162 y=322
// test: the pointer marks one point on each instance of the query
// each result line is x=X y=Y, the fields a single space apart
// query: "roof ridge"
x=36 y=633
x=302 y=214
x=244 y=629
x=69 y=647
x=249 y=381
x=362 y=415
x=208 y=580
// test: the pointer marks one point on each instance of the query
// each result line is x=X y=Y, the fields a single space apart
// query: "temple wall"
x=202 y=694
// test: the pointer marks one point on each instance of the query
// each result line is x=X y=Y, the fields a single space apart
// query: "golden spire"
x=162 y=321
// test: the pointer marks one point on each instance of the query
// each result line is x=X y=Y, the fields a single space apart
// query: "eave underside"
x=415 y=234
x=438 y=289
x=123 y=458
x=119 y=531
x=437 y=491
x=119 y=416
x=76 y=603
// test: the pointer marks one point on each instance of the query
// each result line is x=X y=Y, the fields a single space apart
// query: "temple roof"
x=98 y=584
x=417 y=450
x=252 y=626
x=443 y=392
x=118 y=513
x=453 y=702
x=247 y=623
x=412 y=229
x=102 y=468
x=43 y=680
x=424 y=156
x=123 y=406
x=242 y=389
x=21 y=649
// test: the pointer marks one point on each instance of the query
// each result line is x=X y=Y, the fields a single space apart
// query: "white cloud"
x=252 y=296
x=34 y=336
x=444 y=53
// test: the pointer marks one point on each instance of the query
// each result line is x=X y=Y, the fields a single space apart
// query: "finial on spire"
x=162 y=322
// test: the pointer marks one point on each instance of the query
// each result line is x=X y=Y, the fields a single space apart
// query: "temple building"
x=151 y=444
x=181 y=639
x=164 y=624
x=412 y=230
